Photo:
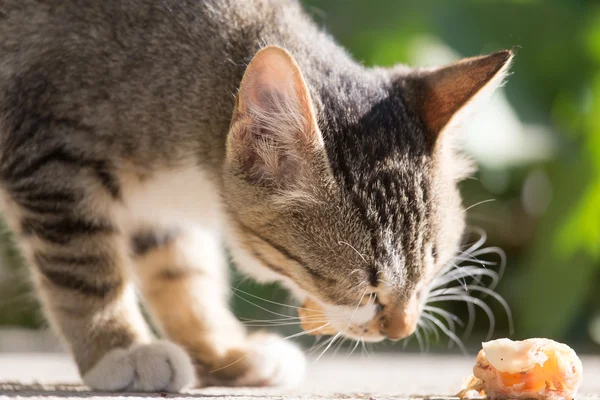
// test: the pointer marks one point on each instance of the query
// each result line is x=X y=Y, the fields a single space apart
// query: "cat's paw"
x=267 y=360
x=158 y=366
x=274 y=362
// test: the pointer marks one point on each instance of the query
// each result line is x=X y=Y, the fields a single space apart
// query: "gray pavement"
x=400 y=376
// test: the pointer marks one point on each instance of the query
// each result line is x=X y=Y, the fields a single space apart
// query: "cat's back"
x=81 y=42
x=143 y=75
x=79 y=38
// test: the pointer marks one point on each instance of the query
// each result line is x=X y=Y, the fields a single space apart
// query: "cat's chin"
x=367 y=338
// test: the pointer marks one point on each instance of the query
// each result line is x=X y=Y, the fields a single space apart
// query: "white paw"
x=274 y=362
x=158 y=366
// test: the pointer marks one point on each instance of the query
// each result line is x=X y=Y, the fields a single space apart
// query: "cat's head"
x=346 y=189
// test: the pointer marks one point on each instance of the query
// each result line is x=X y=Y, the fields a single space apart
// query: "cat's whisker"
x=432 y=328
x=456 y=274
x=256 y=325
x=469 y=278
x=436 y=332
x=329 y=345
x=471 y=322
x=315 y=348
x=468 y=256
x=468 y=268
x=477 y=204
x=364 y=347
x=471 y=271
x=450 y=318
x=243 y=319
x=450 y=277
x=283 y=323
x=315 y=320
x=317 y=340
x=483 y=263
x=260 y=307
x=460 y=296
x=369 y=347
x=295 y=335
x=486 y=291
x=493 y=250
x=461 y=278
x=419 y=338
x=426 y=333
x=242 y=279
x=500 y=300
x=291 y=319
x=473 y=254
x=446 y=331
x=341 y=343
x=271 y=301
x=479 y=242
x=356 y=343
x=406 y=341
x=287 y=317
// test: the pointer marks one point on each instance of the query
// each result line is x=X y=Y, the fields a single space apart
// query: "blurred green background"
x=537 y=143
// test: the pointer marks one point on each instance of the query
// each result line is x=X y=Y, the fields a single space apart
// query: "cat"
x=139 y=138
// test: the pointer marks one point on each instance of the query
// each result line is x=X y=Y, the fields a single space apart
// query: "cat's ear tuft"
x=439 y=94
x=274 y=128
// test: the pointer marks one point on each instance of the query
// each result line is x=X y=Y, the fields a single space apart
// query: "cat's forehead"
x=369 y=126
x=381 y=159
x=376 y=146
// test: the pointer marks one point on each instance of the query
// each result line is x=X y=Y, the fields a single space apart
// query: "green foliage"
x=566 y=256
x=582 y=229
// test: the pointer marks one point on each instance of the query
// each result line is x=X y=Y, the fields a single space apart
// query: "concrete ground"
x=400 y=376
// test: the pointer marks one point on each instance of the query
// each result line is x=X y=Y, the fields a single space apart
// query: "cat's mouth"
x=371 y=321
x=360 y=323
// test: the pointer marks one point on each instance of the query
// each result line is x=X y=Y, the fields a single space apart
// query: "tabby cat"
x=139 y=138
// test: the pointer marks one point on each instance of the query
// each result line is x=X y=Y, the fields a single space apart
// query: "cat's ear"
x=274 y=130
x=439 y=94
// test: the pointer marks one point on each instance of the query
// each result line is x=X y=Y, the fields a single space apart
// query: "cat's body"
x=120 y=162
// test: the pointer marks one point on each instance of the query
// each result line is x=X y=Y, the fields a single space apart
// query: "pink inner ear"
x=274 y=95
x=276 y=130
x=271 y=77
x=265 y=161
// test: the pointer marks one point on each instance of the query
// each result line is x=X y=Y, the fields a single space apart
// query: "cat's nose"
x=399 y=326
x=400 y=321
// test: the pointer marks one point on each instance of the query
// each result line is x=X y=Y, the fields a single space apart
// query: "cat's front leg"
x=79 y=261
x=183 y=277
